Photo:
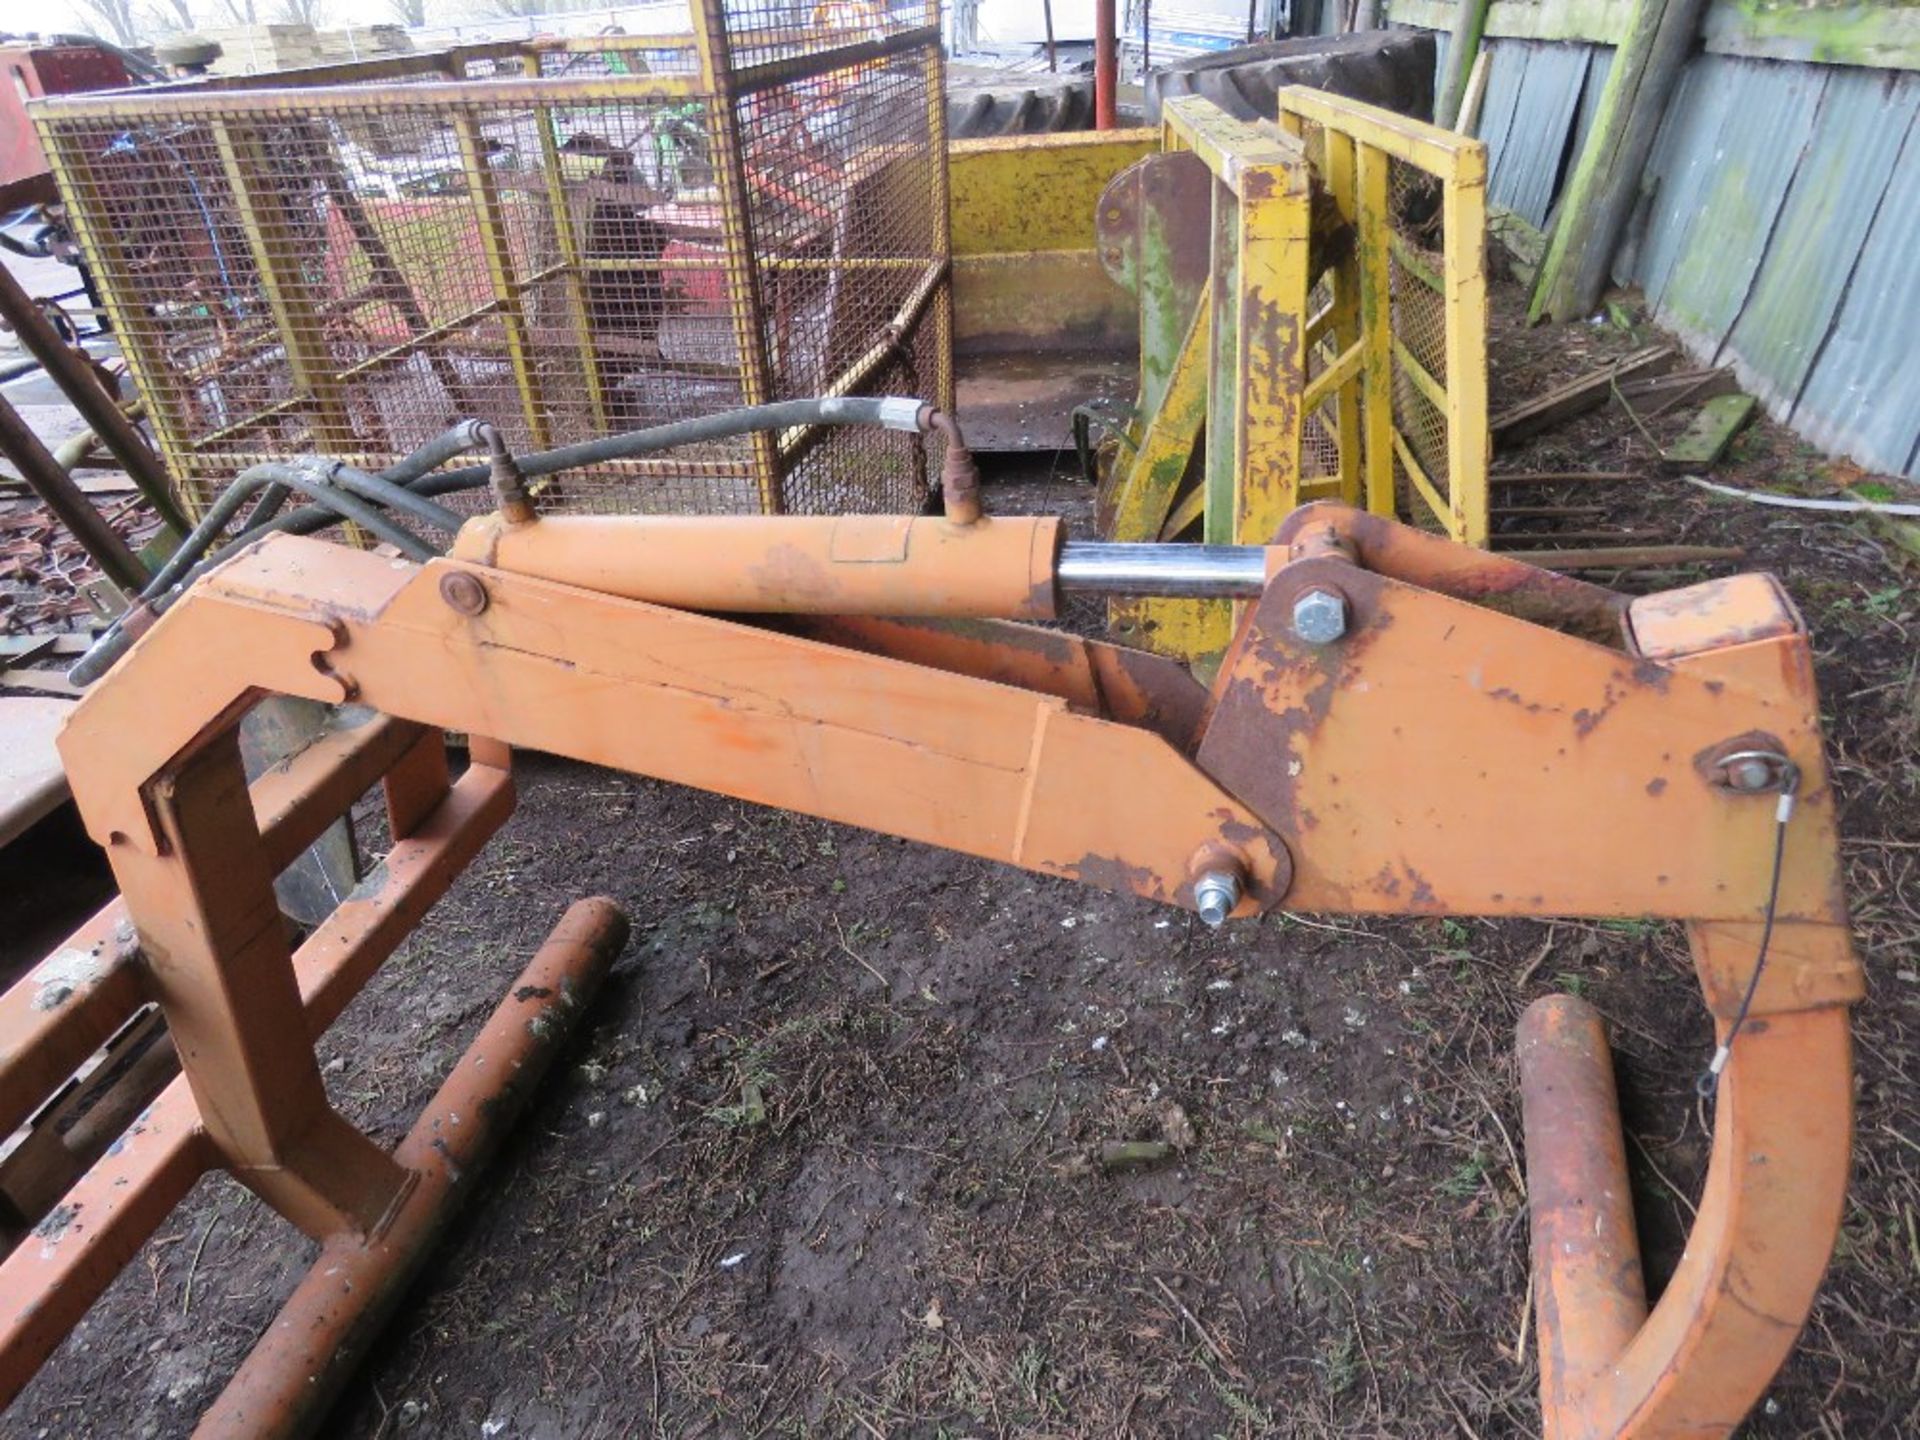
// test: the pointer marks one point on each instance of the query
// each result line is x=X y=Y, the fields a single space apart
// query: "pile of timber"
x=258 y=49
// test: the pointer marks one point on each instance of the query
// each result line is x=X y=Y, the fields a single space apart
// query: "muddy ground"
x=904 y=1237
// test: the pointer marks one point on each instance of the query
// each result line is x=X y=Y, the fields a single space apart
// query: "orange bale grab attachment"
x=1400 y=726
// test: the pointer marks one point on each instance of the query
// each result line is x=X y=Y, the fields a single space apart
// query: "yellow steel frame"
x=1240 y=374
x=1362 y=141
x=508 y=292
x=743 y=279
x=576 y=264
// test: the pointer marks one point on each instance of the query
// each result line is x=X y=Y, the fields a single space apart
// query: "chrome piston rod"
x=1203 y=572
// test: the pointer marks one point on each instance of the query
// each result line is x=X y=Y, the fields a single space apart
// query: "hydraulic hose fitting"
x=959 y=475
x=509 y=483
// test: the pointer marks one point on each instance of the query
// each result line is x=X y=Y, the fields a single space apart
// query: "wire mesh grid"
x=348 y=269
x=766 y=32
x=1435 y=304
x=621 y=56
x=1320 y=429
x=1417 y=263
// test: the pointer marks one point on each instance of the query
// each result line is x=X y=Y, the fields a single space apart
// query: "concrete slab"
x=32 y=784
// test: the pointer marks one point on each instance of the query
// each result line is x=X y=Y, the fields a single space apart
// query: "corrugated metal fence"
x=1778 y=236
x=1776 y=232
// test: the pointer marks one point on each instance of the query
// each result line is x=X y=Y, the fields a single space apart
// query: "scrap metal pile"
x=43 y=569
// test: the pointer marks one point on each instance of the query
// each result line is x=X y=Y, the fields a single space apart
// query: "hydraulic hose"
x=181 y=569
x=893 y=412
x=409 y=484
x=463 y=438
x=286 y=478
x=396 y=497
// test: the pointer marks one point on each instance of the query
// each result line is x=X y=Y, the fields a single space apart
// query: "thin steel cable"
x=1709 y=1078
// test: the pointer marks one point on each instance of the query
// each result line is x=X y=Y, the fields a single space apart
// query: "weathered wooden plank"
x=1880 y=36
x=1607 y=175
x=1627 y=557
x=1576 y=397
x=1563 y=477
x=1712 y=430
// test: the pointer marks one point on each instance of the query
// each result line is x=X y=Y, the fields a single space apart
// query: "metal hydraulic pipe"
x=58 y=492
x=1200 y=572
x=70 y=371
x=892 y=412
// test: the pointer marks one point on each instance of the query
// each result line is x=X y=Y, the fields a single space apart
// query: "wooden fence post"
x=1606 y=178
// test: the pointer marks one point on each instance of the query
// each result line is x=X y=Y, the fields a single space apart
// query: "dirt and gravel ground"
x=819 y=1166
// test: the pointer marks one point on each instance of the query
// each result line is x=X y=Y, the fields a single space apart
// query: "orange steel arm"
x=1479 y=737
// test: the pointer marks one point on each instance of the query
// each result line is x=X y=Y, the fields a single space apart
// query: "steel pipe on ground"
x=1590 y=1294
x=286 y=1385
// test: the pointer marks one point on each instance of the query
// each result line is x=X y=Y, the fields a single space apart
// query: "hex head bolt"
x=1215 y=894
x=1320 y=616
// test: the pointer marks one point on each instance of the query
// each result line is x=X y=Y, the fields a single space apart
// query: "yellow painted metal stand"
x=1411 y=376
x=1335 y=351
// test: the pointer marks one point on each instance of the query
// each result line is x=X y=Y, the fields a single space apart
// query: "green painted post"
x=1606 y=178
x=1469 y=24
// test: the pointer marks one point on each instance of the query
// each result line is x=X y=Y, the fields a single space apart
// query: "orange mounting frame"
x=1485 y=738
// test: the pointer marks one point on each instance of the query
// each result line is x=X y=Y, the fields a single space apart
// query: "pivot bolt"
x=1215 y=894
x=463 y=592
x=1320 y=616
x=1754 y=769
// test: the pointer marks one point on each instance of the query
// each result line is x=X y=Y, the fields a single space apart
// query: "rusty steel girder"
x=1401 y=725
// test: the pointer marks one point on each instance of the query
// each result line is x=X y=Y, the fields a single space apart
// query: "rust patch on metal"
x=790 y=570
x=1494 y=582
x=1150 y=690
x=1254 y=746
x=1644 y=675
x=1514 y=697
x=1110 y=872
x=1042 y=603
